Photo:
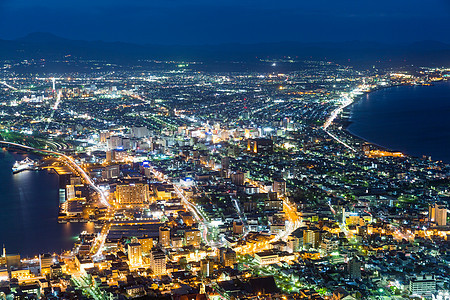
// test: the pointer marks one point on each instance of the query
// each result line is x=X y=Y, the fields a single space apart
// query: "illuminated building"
x=227 y=257
x=164 y=236
x=111 y=172
x=146 y=243
x=437 y=213
x=135 y=254
x=238 y=227
x=132 y=194
x=279 y=186
x=45 y=261
x=260 y=146
x=158 y=262
x=311 y=237
x=206 y=267
x=192 y=237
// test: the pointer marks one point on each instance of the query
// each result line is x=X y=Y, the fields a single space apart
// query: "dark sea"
x=412 y=119
x=29 y=211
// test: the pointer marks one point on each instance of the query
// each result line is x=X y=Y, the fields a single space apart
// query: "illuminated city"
x=228 y=179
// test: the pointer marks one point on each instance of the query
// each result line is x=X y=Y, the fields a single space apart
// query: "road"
x=198 y=215
x=68 y=160
x=293 y=218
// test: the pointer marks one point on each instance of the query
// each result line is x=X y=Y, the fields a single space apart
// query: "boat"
x=26 y=164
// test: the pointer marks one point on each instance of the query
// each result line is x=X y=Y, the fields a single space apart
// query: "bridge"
x=67 y=160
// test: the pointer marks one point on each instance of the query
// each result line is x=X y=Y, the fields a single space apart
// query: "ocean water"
x=412 y=119
x=29 y=211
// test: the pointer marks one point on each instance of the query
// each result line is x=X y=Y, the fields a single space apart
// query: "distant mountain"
x=48 y=46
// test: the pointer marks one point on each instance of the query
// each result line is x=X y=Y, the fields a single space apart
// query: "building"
x=206 y=267
x=45 y=261
x=135 y=254
x=267 y=257
x=279 y=186
x=423 y=284
x=146 y=243
x=192 y=237
x=132 y=194
x=158 y=262
x=354 y=268
x=111 y=172
x=238 y=227
x=276 y=205
x=164 y=236
x=237 y=178
x=311 y=237
x=437 y=214
x=227 y=257
x=260 y=146
x=139 y=132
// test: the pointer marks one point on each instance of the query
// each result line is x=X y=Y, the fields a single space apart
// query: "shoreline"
x=346 y=115
x=55 y=225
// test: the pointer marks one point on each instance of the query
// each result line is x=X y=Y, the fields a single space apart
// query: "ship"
x=26 y=164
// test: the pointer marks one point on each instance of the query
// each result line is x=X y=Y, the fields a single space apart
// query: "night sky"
x=219 y=21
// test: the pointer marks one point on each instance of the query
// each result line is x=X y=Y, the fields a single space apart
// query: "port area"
x=75 y=199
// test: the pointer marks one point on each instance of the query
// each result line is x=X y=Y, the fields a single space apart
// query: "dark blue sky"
x=219 y=21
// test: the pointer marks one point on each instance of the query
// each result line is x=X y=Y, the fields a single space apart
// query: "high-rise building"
x=135 y=254
x=354 y=268
x=437 y=214
x=237 y=178
x=139 y=132
x=164 y=236
x=158 y=262
x=206 y=267
x=279 y=186
x=227 y=257
x=45 y=261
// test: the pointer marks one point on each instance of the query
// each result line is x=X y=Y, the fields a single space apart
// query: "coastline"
x=345 y=119
x=30 y=212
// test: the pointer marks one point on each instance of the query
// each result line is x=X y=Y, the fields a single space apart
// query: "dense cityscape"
x=224 y=184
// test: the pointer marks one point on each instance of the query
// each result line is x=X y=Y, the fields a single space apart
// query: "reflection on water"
x=29 y=211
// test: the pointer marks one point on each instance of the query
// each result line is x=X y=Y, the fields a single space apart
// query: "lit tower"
x=54 y=84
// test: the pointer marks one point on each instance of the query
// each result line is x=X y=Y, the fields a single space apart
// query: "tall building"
x=45 y=261
x=164 y=236
x=237 y=178
x=158 y=262
x=135 y=254
x=437 y=213
x=132 y=194
x=354 y=268
x=206 y=267
x=227 y=257
x=279 y=186
x=311 y=237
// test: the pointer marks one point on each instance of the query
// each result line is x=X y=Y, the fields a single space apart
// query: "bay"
x=411 y=119
x=29 y=211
